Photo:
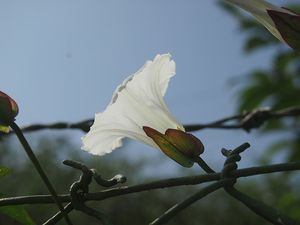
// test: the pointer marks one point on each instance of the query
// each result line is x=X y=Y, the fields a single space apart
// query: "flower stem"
x=204 y=165
x=39 y=169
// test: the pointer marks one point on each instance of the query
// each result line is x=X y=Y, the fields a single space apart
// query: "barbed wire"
x=160 y=184
x=79 y=193
x=247 y=121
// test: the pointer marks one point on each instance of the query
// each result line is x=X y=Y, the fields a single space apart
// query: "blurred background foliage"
x=276 y=87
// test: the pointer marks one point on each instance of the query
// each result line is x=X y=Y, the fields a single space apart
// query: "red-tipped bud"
x=180 y=146
x=8 y=111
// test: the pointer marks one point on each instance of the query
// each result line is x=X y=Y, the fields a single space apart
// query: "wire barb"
x=80 y=189
x=261 y=209
x=232 y=157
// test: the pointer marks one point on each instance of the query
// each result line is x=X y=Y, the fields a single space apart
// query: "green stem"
x=204 y=165
x=39 y=169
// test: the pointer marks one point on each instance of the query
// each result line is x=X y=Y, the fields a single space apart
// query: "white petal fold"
x=137 y=102
x=258 y=8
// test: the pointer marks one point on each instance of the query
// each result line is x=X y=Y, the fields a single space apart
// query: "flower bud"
x=8 y=111
x=180 y=146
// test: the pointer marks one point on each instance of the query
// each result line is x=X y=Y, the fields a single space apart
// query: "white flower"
x=259 y=9
x=137 y=103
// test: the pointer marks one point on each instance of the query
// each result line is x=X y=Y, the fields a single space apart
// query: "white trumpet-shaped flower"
x=137 y=103
x=259 y=9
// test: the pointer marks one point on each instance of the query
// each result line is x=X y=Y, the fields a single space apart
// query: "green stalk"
x=39 y=169
x=204 y=165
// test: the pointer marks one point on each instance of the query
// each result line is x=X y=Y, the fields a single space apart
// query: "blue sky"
x=61 y=60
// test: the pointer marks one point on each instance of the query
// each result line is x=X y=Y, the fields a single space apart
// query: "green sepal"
x=186 y=143
x=180 y=146
x=288 y=26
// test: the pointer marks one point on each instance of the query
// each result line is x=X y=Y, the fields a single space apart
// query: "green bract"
x=180 y=146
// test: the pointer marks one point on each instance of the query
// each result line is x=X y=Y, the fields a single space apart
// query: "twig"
x=165 y=183
x=39 y=169
x=246 y=120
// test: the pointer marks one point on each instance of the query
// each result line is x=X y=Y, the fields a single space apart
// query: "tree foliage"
x=276 y=87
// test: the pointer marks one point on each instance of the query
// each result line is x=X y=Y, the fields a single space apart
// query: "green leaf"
x=4 y=129
x=254 y=43
x=17 y=213
x=4 y=171
x=283 y=60
x=258 y=92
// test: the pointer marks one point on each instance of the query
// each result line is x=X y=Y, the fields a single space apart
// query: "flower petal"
x=137 y=102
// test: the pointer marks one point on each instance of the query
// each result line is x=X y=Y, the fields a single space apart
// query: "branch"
x=166 y=183
x=246 y=121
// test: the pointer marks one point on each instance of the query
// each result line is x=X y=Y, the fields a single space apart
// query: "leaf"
x=258 y=92
x=4 y=171
x=17 y=213
x=254 y=43
x=4 y=129
x=283 y=60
